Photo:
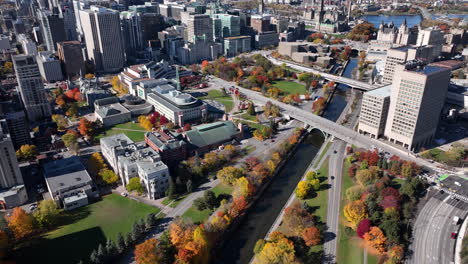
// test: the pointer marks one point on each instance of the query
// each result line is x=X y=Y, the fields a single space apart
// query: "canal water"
x=238 y=249
x=397 y=20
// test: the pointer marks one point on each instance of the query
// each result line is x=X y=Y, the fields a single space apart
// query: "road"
x=432 y=243
x=346 y=134
x=338 y=79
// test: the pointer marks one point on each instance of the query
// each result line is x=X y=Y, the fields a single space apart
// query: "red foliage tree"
x=388 y=202
x=373 y=158
x=349 y=150
x=352 y=170
x=238 y=206
x=187 y=127
x=390 y=191
x=363 y=227
x=252 y=162
x=163 y=120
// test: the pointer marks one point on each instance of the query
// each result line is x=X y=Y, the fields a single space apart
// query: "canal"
x=238 y=248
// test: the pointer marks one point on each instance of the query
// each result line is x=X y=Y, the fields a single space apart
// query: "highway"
x=432 y=243
x=338 y=79
x=329 y=127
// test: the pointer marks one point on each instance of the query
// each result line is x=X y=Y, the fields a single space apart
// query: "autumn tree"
x=86 y=128
x=47 y=214
x=303 y=189
x=278 y=250
x=354 y=212
x=96 y=163
x=376 y=239
x=363 y=227
x=311 y=236
x=108 y=176
x=238 y=206
x=145 y=253
x=365 y=177
x=395 y=254
x=134 y=184
x=4 y=242
x=242 y=187
x=27 y=152
x=296 y=218
x=20 y=223
x=228 y=175
x=61 y=121
x=71 y=141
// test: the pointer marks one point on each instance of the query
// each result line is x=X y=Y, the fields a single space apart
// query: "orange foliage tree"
x=145 y=253
x=376 y=239
x=311 y=236
x=21 y=223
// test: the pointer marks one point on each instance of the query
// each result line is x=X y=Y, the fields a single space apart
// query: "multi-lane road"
x=432 y=242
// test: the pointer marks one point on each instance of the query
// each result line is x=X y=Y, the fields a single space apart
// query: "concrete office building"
x=29 y=47
x=49 y=67
x=18 y=128
x=69 y=183
x=12 y=190
x=374 y=111
x=177 y=107
x=417 y=96
x=31 y=88
x=71 y=56
x=431 y=36
x=235 y=45
x=131 y=31
x=53 y=28
x=199 y=27
x=400 y=55
x=77 y=6
x=69 y=21
x=260 y=23
x=104 y=45
x=266 y=39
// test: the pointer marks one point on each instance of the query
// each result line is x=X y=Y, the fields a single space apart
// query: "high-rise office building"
x=30 y=87
x=104 y=45
x=225 y=25
x=417 y=97
x=402 y=55
x=131 y=31
x=49 y=66
x=69 y=21
x=53 y=28
x=29 y=47
x=71 y=57
x=374 y=111
x=199 y=27
x=10 y=174
x=18 y=128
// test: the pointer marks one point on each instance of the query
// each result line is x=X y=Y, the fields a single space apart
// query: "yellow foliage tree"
x=280 y=250
x=96 y=163
x=20 y=223
x=354 y=212
x=271 y=165
x=228 y=175
x=303 y=189
x=242 y=187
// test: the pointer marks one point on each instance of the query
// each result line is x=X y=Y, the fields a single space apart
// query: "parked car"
x=33 y=207
x=453 y=235
x=124 y=194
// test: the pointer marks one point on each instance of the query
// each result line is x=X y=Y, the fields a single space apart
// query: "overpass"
x=338 y=79
x=329 y=127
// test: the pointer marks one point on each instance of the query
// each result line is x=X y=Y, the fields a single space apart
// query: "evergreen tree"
x=150 y=221
x=171 y=190
x=189 y=186
x=210 y=199
x=94 y=258
x=379 y=164
x=385 y=164
x=129 y=240
x=120 y=245
x=101 y=253
x=111 y=248
x=273 y=126
x=251 y=109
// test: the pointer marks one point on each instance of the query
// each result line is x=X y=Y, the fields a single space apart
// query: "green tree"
x=251 y=109
x=108 y=176
x=134 y=184
x=120 y=243
x=61 y=121
x=47 y=214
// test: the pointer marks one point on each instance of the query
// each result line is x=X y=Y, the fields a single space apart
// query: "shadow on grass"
x=65 y=249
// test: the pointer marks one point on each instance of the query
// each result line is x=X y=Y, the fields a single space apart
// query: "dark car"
x=332 y=177
x=453 y=235
x=335 y=151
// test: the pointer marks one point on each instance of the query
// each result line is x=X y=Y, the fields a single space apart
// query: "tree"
x=86 y=128
x=238 y=206
x=108 y=176
x=312 y=236
x=134 y=184
x=407 y=170
x=61 y=121
x=364 y=177
x=145 y=253
x=189 y=186
x=303 y=189
x=210 y=199
x=396 y=254
x=281 y=250
x=47 y=214
x=27 y=152
x=259 y=246
x=296 y=218
x=72 y=110
x=120 y=243
x=363 y=227
x=228 y=175
x=376 y=239
x=242 y=187
x=251 y=109
x=96 y=163
x=70 y=140
x=354 y=193
x=20 y=223
x=111 y=249
x=4 y=241
x=354 y=212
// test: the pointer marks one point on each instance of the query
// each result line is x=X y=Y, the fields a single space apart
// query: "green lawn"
x=198 y=216
x=251 y=124
x=323 y=153
x=290 y=87
x=319 y=202
x=249 y=117
x=121 y=128
x=86 y=228
x=218 y=96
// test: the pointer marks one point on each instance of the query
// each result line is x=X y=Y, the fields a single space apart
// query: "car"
x=40 y=190
x=124 y=194
x=453 y=235
x=334 y=151
x=33 y=207
x=332 y=177
x=272 y=140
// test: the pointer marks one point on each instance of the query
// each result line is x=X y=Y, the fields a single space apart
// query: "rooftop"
x=116 y=140
x=165 y=139
x=207 y=134
x=65 y=173
x=381 y=92
x=112 y=109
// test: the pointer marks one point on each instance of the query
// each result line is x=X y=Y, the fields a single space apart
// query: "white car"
x=124 y=194
x=33 y=207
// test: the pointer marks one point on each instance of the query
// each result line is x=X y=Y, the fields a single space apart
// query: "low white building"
x=129 y=160
x=176 y=106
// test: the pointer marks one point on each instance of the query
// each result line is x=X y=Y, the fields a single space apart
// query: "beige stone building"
x=374 y=111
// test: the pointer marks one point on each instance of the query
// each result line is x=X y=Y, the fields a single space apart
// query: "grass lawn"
x=320 y=201
x=289 y=87
x=218 y=96
x=121 y=128
x=86 y=228
x=251 y=124
x=249 y=117
x=323 y=152
x=198 y=216
x=175 y=202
